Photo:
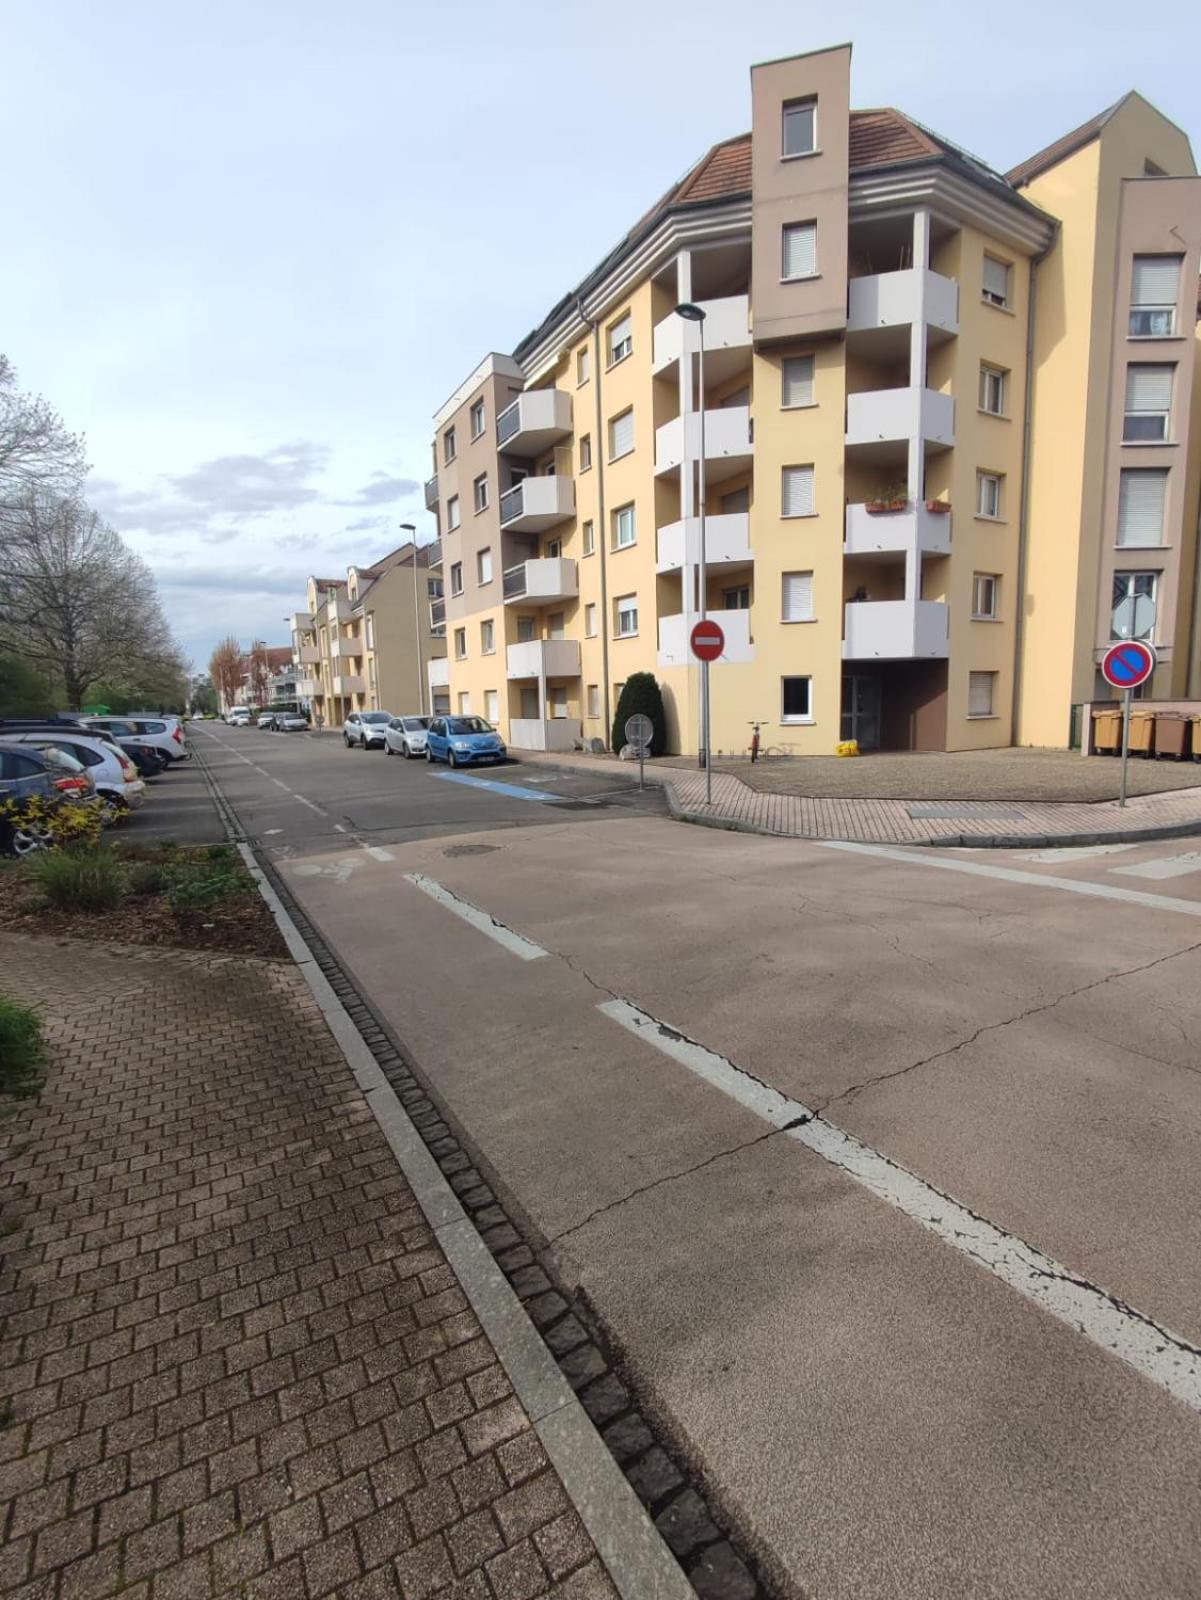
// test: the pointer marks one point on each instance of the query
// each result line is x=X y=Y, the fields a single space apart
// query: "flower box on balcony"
x=941 y=507
x=879 y=508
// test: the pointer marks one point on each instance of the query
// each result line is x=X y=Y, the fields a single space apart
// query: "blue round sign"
x=1128 y=664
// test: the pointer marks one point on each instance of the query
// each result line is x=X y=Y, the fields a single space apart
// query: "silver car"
x=365 y=728
x=405 y=736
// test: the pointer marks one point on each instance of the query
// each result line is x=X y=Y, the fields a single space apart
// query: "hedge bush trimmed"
x=640 y=693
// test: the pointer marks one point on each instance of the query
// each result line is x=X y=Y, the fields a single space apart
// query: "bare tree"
x=259 y=673
x=36 y=451
x=226 y=665
x=75 y=600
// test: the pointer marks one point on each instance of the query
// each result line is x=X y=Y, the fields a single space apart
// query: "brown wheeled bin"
x=1171 y=735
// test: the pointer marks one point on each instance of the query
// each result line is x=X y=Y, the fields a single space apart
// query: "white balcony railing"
x=674 y=632
x=556 y=733
x=893 y=299
x=537 y=503
x=539 y=582
x=431 y=492
x=346 y=647
x=350 y=683
x=338 y=609
x=727 y=439
x=438 y=672
x=891 y=416
x=727 y=327
x=894 y=630
x=543 y=658
x=868 y=533
x=534 y=422
x=301 y=621
x=306 y=655
x=727 y=541
x=306 y=688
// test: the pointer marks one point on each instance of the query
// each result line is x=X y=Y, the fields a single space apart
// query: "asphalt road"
x=879 y=1166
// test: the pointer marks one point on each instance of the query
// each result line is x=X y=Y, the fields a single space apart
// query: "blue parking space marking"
x=514 y=790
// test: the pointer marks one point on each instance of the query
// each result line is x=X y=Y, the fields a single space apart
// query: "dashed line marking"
x=378 y=853
x=524 y=949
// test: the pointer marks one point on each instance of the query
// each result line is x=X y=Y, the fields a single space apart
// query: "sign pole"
x=1125 y=745
x=641 y=759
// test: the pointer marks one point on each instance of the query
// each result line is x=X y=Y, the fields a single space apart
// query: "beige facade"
x=911 y=529
x=365 y=642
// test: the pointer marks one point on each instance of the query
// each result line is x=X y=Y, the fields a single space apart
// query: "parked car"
x=292 y=722
x=461 y=740
x=26 y=774
x=111 y=770
x=267 y=719
x=163 y=733
x=366 y=728
x=405 y=736
x=149 y=762
x=239 y=717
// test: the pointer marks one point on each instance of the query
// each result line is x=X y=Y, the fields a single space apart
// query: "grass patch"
x=197 y=883
x=80 y=879
x=22 y=1048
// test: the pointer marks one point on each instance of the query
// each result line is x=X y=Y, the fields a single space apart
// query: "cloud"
x=367 y=525
x=381 y=490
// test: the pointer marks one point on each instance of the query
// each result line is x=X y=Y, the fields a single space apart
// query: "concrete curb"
x=637 y=1559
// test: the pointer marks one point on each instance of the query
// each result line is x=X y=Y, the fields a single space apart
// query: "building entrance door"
x=861 y=710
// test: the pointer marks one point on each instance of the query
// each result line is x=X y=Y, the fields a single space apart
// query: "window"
x=621 y=340
x=626 y=608
x=449 y=445
x=456 y=577
x=800 y=127
x=796 y=388
x=624 y=532
x=1154 y=291
x=556 y=695
x=1141 y=496
x=985 y=589
x=488 y=637
x=556 y=625
x=492 y=706
x=594 y=700
x=736 y=500
x=993 y=387
x=589 y=536
x=483 y=565
x=796 y=499
x=590 y=621
x=1148 y=403
x=800 y=250
x=525 y=630
x=585 y=452
x=621 y=434
x=796 y=698
x=988 y=494
x=981 y=692
x=436 y=589
x=797 y=597
x=583 y=363
x=452 y=513
x=370 y=630
x=554 y=549
x=737 y=599
x=477 y=419
x=996 y=281
x=460 y=644
x=479 y=492
x=1135 y=586
x=464 y=703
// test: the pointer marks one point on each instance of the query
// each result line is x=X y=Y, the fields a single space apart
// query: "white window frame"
x=593 y=701
x=487 y=637
x=479 y=419
x=787 y=232
x=624 y=606
x=807 y=385
x=1153 y=309
x=590 y=619
x=492 y=706
x=460 y=644
x=456 y=577
x=1161 y=412
x=450 y=446
x=453 y=517
x=798 y=592
x=994 y=380
x=993 y=297
x=1127 y=478
x=800 y=105
x=997 y=495
x=479 y=493
x=583 y=366
x=623 y=419
x=588 y=535
x=620 y=515
x=585 y=452
x=986 y=596
x=484 y=566
x=464 y=703
x=1131 y=586
x=974 y=678
x=797 y=719
x=785 y=494
x=619 y=338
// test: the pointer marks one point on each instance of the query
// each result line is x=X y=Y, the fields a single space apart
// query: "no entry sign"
x=708 y=641
x=1128 y=664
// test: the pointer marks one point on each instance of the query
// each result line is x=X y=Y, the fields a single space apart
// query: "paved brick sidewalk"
x=238 y=1362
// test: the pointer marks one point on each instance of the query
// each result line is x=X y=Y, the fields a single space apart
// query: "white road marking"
x=525 y=949
x=338 y=828
x=1163 y=867
x=282 y=784
x=1071 y=852
x=1169 y=1361
x=379 y=853
x=1100 y=891
x=320 y=810
x=267 y=831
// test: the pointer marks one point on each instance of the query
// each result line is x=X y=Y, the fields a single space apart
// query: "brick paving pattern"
x=237 y=1361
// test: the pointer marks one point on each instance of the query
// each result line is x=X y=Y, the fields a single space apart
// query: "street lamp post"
x=695 y=313
x=411 y=529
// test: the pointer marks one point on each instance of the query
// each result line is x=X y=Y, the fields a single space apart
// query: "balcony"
x=544 y=658
x=869 y=533
x=431 y=492
x=879 y=420
x=540 y=582
x=438 y=672
x=347 y=647
x=354 y=683
x=434 y=555
x=727 y=339
x=674 y=632
x=894 y=630
x=556 y=733
x=727 y=442
x=537 y=503
x=337 y=610
x=307 y=688
x=895 y=300
x=534 y=422
x=301 y=621
x=438 y=613
x=727 y=542
x=305 y=655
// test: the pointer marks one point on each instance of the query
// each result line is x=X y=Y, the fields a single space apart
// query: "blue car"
x=461 y=740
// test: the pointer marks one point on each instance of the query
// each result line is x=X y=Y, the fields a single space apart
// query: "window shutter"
x=798 y=381
x=798 y=597
x=622 y=432
x=800 y=249
x=618 y=334
x=1156 y=281
x=798 y=492
x=1140 y=506
x=1148 y=388
x=979 y=694
x=996 y=278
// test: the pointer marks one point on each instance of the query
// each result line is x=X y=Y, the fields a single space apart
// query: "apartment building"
x=366 y=642
x=919 y=408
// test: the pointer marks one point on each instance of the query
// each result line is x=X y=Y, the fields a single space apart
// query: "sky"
x=249 y=247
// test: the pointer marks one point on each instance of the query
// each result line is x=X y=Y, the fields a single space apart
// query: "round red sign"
x=1128 y=664
x=708 y=641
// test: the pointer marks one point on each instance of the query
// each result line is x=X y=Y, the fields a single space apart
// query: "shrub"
x=22 y=1051
x=195 y=883
x=80 y=878
x=145 y=877
x=60 y=823
x=640 y=693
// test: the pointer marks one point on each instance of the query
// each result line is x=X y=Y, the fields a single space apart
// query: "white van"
x=239 y=717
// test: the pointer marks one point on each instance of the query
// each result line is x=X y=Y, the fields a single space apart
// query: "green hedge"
x=640 y=693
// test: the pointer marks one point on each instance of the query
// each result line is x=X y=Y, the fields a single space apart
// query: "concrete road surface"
x=879 y=1166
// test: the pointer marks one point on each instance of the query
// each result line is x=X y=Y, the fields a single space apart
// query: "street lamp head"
x=408 y=527
x=690 y=313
